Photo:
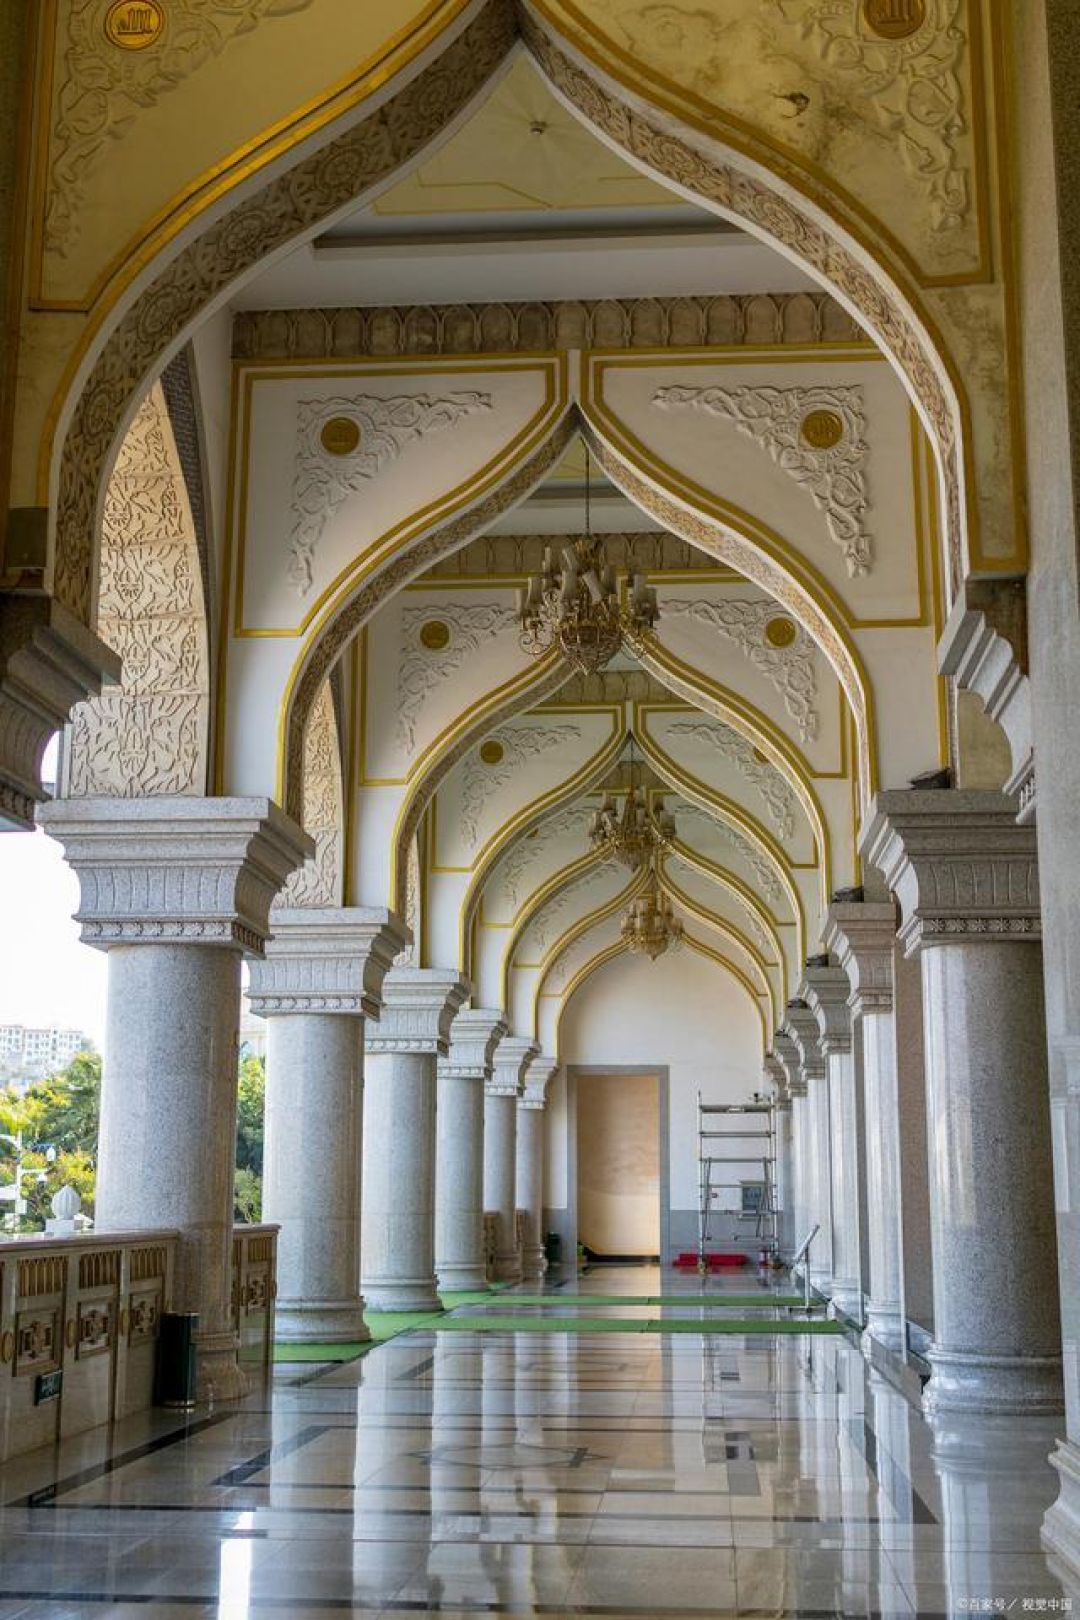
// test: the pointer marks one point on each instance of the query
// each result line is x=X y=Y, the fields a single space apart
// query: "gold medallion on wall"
x=340 y=436
x=894 y=19
x=491 y=752
x=822 y=429
x=132 y=25
x=435 y=635
x=780 y=632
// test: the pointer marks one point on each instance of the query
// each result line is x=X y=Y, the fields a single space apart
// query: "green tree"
x=250 y=1106
x=247 y=1196
x=64 y=1109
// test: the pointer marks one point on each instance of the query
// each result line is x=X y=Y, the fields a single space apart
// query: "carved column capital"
x=984 y=648
x=861 y=935
x=963 y=870
x=788 y=1054
x=828 y=990
x=512 y=1057
x=181 y=871
x=540 y=1073
x=800 y=1022
x=49 y=662
x=419 y=1008
x=331 y=960
x=474 y=1035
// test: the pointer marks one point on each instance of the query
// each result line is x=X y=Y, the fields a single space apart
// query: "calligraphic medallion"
x=780 y=632
x=821 y=430
x=435 y=635
x=340 y=436
x=894 y=19
x=491 y=752
x=132 y=25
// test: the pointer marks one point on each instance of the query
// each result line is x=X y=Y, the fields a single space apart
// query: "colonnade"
x=396 y=1115
x=924 y=1104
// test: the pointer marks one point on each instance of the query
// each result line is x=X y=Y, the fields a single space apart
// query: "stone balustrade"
x=88 y=1309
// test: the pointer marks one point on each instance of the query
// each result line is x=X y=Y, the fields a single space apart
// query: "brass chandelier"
x=573 y=603
x=649 y=925
x=634 y=837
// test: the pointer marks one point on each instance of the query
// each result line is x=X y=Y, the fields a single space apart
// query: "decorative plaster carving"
x=567 y=963
x=421 y=667
x=544 y=928
x=323 y=480
x=409 y=957
x=686 y=813
x=374 y=148
x=519 y=744
x=753 y=921
x=319 y=881
x=835 y=476
x=610 y=323
x=789 y=669
x=913 y=86
x=105 y=89
x=774 y=789
x=147 y=736
x=527 y=850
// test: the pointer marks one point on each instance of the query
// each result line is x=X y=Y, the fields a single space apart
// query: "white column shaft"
x=398 y=1248
x=167 y=1144
x=847 y=1284
x=530 y=1187
x=459 y=1183
x=311 y=1173
x=500 y=1179
x=883 y=1176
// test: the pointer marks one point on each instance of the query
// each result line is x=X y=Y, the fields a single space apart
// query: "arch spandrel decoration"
x=320 y=881
x=350 y=165
x=148 y=736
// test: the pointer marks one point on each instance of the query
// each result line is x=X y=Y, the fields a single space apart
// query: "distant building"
x=30 y=1054
x=252 y=1032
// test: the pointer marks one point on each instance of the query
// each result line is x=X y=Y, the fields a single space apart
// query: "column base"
x=533 y=1262
x=402 y=1295
x=1061 y=1525
x=846 y=1297
x=884 y=1327
x=334 y=1321
x=965 y=1381
x=508 y=1267
x=218 y=1374
x=454 y=1279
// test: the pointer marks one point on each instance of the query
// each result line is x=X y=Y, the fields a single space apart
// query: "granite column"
x=459 y=1157
x=512 y=1057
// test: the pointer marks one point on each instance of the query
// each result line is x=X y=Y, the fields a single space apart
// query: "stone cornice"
x=474 y=1035
x=331 y=960
x=828 y=991
x=419 y=1007
x=862 y=935
x=176 y=870
x=963 y=870
x=554 y=327
x=512 y=1057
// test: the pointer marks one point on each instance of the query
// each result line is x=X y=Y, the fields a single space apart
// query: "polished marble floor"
x=469 y=1474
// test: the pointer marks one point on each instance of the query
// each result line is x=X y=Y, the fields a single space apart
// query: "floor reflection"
x=475 y=1473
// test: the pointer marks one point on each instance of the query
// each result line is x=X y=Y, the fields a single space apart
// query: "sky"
x=46 y=975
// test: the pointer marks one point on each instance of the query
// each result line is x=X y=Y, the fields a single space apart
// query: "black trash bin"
x=553 y=1248
x=174 y=1383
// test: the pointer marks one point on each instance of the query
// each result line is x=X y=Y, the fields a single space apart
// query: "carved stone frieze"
x=319 y=881
x=323 y=480
x=790 y=670
x=833 y=473
x=552 y=326
x=733 y=746
x=421 y=667
x=519 y=744
x=147 y=736
x=104 y=89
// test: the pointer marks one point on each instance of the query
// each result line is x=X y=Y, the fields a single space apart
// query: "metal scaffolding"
x=755 y=1200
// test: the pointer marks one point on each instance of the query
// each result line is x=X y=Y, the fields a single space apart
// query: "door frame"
x=574 y=1071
